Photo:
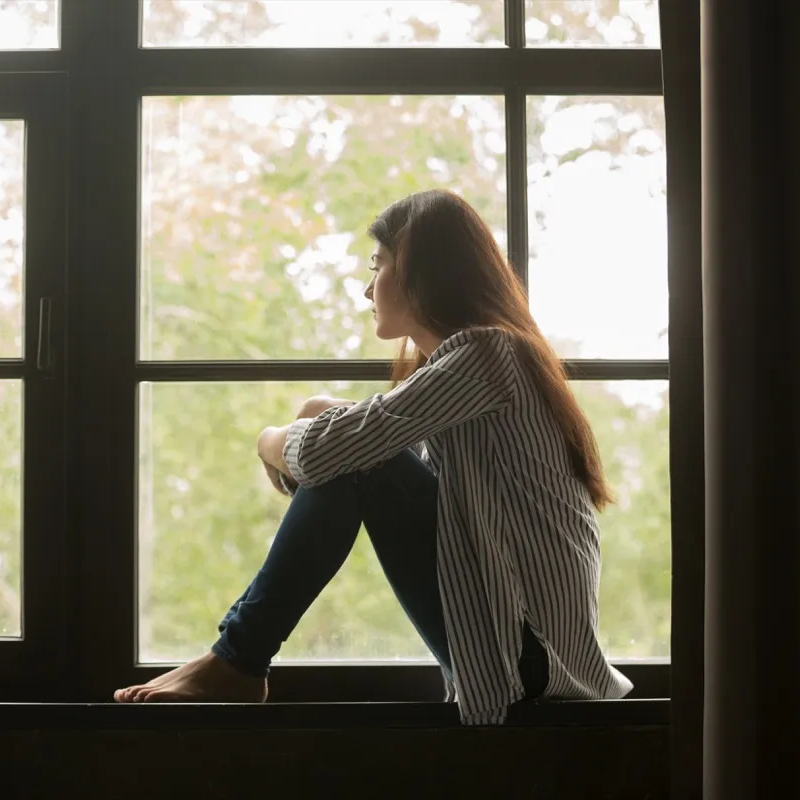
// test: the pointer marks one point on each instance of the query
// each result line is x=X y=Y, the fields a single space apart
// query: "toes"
x=124 y=695
x=158 y=697
x=140 y=693
x=178 y=694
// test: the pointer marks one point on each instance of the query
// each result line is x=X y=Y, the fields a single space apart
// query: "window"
x=225 y=165
x=343 y=23
x=231 y=245
x=597 y=223
x=32 y=258
x=592 y=23
x=202 y=503
x=29 y=24
x=10 y=503
x=12 y=224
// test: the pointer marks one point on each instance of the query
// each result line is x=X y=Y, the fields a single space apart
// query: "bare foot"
x=206 y=679
x=126 y=695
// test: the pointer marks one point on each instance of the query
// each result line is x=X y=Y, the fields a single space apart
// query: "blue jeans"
x=397 y=503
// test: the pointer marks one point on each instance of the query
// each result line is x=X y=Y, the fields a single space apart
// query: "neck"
x=426 y=341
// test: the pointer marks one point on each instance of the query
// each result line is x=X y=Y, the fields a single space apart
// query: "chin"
x=382 y=334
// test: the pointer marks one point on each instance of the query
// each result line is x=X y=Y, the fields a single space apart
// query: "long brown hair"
x=454 y=276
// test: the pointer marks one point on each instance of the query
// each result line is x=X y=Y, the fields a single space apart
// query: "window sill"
x=318 y=716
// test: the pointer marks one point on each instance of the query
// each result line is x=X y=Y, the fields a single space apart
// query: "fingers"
x=275 y=479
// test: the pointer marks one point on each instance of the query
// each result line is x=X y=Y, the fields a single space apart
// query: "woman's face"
x=389 y=307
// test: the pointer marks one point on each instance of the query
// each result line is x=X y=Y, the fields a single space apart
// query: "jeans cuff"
x=221 y=651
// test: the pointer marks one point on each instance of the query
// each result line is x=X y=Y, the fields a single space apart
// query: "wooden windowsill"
x=317 y=716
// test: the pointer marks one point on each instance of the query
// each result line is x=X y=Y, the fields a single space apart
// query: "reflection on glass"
x=30 y=24
x=630 y=420
x=597 y=221
x=207 y=515
x=10 y=509
x=592 y=23
x=255 y=211
x=336 y=23
x=12 y=231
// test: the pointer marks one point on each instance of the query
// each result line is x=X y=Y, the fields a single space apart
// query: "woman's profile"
x=477 y=478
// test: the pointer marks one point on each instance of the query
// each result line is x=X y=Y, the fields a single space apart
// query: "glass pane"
x=207 y=516
x=12 y=230
x=631 y=422
x=30 y=24
x=10 y=508
x=592 y=23
x=255 y=211
x=336 y=23
x=597 y=222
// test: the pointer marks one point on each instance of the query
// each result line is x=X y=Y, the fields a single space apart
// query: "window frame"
x=108 y=75
x=40 y=100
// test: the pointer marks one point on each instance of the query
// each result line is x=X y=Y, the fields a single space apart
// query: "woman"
x=476 y=478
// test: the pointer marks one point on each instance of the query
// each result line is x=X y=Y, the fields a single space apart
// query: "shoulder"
x=469 y=344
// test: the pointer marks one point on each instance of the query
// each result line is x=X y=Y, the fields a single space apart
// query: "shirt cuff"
x=295 y=436
x=289 y=484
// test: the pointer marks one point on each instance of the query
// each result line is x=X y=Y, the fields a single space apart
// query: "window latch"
x=45 y=362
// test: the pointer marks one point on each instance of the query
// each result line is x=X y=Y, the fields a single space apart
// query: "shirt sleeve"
x=451 y=391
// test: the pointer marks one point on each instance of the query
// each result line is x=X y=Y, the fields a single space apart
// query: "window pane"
x=592 y=23
x=597 y=221
x=631 y=422
x=255 y=212
x=334 y=23
x=29 y=24
x=10 y=508
x=12 y=228
x=207 y=516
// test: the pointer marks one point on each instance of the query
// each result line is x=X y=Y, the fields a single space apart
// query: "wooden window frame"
x=108 y=75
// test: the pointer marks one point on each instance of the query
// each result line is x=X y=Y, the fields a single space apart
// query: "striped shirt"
x=518 y=540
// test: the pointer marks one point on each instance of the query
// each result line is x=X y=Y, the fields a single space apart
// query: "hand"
x=274 y=476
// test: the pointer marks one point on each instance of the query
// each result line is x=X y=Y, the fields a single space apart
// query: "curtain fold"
x=751 y=296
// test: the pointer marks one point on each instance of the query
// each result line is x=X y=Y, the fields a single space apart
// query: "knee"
x=398 y=462
x=310 y=407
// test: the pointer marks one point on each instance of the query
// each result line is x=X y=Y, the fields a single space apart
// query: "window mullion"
x=515 y=23
x=103 y=247
x=517 y=182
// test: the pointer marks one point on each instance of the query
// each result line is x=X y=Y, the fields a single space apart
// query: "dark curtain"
x=732 y=90
x=752 y=357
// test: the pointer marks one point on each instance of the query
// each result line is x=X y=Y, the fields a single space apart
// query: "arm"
x=272 y=440
x=466 y=383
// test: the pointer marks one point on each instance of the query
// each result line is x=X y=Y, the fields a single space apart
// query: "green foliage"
x=10 y=517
